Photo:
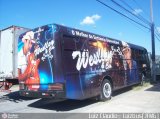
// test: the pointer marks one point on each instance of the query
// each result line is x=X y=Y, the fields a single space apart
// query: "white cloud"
x=158 y=30
x=137 y=11
x=90 y=20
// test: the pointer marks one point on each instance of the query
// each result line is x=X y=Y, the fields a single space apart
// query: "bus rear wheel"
x=106 y=90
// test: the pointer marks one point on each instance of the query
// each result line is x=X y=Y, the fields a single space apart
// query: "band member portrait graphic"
x=27 y=61
x=131 y=65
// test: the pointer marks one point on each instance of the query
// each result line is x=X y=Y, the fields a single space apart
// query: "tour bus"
x=60 y=62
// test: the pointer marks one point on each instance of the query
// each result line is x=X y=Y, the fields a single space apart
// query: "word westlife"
x=100 y=57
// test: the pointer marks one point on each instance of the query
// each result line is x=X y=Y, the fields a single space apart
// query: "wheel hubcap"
x=107 y=90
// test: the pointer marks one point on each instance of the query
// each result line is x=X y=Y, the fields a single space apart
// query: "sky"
x=86 y=15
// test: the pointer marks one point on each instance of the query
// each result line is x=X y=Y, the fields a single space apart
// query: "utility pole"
x=153 y=44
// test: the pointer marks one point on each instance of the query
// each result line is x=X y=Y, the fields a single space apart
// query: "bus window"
x=69 y=43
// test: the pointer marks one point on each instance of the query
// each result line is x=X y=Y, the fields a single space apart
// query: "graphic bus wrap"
x=61 y=62
x=40 y=56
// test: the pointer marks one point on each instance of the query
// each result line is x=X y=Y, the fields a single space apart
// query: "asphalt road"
x=144 y=99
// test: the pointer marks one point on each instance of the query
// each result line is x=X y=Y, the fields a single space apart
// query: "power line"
x=127 y=5
x=122 y=14
x=140 y=7
x=157 y=35
x=157 y=32
x=129 y=12
x=141 y=17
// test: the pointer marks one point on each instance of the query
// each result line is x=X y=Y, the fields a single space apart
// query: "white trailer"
x=8 y=53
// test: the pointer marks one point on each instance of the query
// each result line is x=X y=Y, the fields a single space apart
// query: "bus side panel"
x=90 y=55
x=77 y=82
x=84 y=68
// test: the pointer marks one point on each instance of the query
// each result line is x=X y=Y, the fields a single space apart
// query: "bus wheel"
x=143 y=79
x=106 y=90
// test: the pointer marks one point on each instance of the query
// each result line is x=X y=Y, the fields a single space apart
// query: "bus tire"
x=143 y=79
x=106 y=90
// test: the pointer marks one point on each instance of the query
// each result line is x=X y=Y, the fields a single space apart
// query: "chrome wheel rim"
x=107 y=90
